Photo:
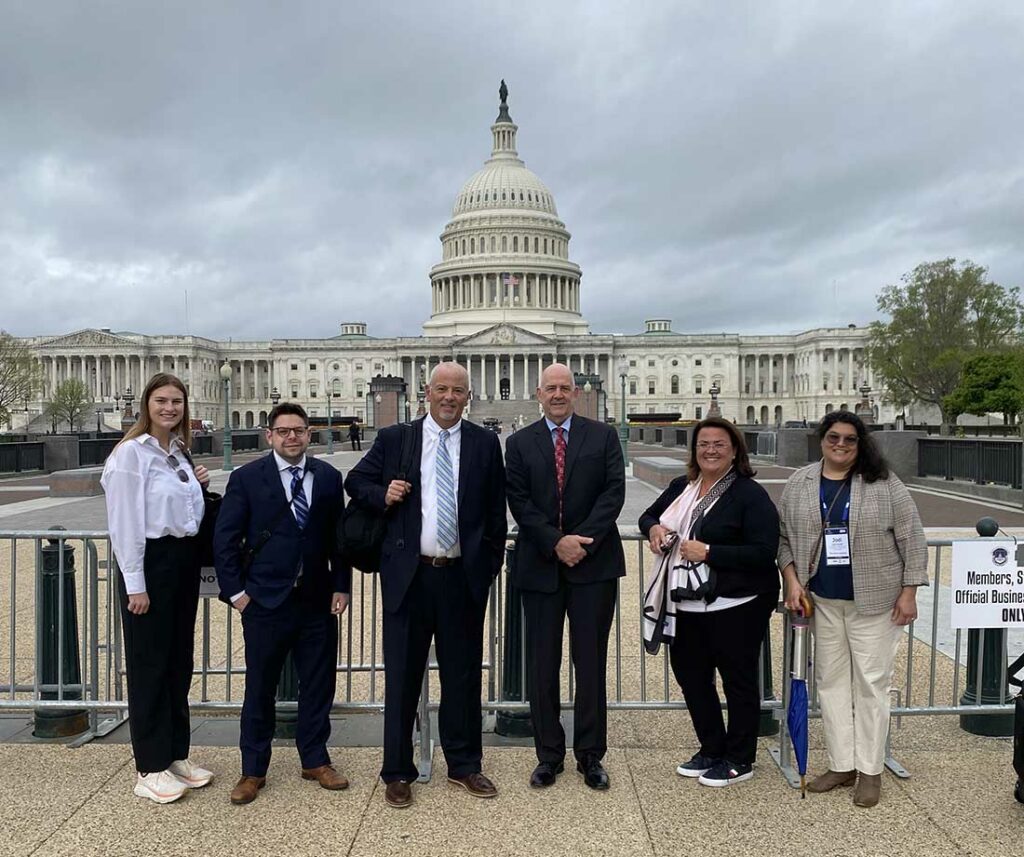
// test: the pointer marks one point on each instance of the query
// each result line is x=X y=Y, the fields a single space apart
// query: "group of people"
x=846 y=534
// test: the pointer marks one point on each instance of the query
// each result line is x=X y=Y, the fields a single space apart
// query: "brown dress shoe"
x=246 y=789
x=869 y=787
x=830 y=780
x=326 y=776
x=476 y=784
x=398 y=794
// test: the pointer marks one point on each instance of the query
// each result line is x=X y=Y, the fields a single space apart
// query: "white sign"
x=988 y=584
x=208 y=586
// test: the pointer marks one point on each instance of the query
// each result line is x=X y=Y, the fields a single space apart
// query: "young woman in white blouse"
x=154 y=508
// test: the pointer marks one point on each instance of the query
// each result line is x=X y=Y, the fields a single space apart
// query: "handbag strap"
x=405 y=455
x=716 y=491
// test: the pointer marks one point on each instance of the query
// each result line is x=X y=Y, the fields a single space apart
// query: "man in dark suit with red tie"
x=566 y=487
x=277 y=564
x=445 y=542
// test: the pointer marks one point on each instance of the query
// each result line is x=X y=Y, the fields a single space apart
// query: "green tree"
x=990 y=383
x=69 y=404
x=19 y=375
x=940 y=315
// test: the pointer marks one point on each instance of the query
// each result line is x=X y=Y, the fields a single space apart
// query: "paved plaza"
x=55 y=800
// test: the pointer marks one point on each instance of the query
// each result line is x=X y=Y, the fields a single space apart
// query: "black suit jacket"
x=593 y=494
x=483 y=526
x=254 y=502
x=742 y=530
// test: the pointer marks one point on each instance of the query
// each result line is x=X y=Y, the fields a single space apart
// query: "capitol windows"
x=545 y=246
x=493 y=243
x=504 y=243
x=529 y=196
x=675 y=384
x=515 y=243
x=472 y=246
x=698 y=386
x=312 y=367
x=295 y=367
x=336 y=386
x=503 y=197
x=632 y=386
x=536 y=243
x=650 y=387
x=295 y=392
x=463 y=246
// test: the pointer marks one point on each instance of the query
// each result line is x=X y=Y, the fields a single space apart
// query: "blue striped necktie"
x=447 y=524
x=299 y=503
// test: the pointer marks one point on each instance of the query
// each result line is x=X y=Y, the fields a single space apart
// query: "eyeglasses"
x=716 y=445
x=176 y=466
x=836 y=439
x=283 y=431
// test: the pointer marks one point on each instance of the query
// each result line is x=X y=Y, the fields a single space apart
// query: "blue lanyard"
x=826 y=508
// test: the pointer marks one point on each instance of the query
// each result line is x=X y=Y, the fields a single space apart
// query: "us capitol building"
x=506 y=301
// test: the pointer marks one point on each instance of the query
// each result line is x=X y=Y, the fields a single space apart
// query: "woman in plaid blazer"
x=851 y=538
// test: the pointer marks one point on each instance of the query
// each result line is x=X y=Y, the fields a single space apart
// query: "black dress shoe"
x=544 y=774
x=594 y=774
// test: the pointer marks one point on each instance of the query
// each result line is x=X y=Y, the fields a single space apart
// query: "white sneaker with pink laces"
x=191 y=775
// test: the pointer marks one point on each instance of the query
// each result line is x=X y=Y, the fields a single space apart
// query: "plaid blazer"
x=887 y=543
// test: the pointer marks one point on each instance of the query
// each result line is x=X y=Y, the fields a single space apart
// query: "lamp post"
x=623 y=426
x=225 y=374
x=714 y=410
x=330 y=432
x=98 y=413
x=128 y=417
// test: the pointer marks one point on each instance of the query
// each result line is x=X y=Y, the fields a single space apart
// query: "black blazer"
x=255 y=501
x=594 y=491
x=742 y=530
x=483 y=526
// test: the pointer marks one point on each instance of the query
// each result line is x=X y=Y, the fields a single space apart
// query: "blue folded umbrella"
x=796 y=720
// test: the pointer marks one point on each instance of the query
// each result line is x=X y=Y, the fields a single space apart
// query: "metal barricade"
x=636 y=680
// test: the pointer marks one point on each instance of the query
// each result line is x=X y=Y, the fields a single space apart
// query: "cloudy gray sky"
x=760 y=166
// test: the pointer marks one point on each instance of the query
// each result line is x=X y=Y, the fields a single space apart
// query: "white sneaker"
x=162 y=787
x=191 y=775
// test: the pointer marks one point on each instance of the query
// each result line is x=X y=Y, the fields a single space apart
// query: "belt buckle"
x=439 y=561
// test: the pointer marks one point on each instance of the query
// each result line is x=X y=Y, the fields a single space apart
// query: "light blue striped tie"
x=447 y=525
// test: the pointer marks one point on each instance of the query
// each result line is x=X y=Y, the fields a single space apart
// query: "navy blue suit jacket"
x=483 y=525
x=255 y=501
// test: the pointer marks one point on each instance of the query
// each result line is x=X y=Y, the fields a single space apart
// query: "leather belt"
x=440 y=561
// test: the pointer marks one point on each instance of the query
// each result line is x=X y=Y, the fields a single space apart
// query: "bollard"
x=767 y=724
x=993 y=670
x=58 y=624
x=287 y=691
x=513 y=724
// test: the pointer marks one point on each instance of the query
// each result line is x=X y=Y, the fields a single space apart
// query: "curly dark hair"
x=739 y=446
x=870 y=464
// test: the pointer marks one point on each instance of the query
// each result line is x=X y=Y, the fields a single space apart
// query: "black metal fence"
x=92 y=452
x=983 y=461
x=244 y=441
x=971 y=431
x=202 y=444
x=21 y=457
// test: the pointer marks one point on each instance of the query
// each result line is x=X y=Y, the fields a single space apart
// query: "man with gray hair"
x=566 y=487
x=445 y=543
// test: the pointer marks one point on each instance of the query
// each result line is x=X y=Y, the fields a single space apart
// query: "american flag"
x=510 y=279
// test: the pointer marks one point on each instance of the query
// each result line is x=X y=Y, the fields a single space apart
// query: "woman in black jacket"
x=722 y=532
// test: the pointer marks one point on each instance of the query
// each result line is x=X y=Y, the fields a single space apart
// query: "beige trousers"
x=853 y=664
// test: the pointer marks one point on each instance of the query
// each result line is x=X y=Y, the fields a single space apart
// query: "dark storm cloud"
x=747 y=167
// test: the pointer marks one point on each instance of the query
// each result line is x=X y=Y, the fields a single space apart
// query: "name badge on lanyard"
x=836 y=538
x=837 y=546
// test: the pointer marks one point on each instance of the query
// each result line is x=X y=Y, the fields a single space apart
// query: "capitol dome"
x=505 y=253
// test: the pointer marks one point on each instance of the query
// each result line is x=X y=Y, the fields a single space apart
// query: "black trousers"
x=729 y=641
x=356 y=444
x=438 y=605
x=590 y=608
x=159 y=646
x=311 y=635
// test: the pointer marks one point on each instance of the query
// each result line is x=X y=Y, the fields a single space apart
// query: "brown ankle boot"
x=830 y=780
x=869 y=787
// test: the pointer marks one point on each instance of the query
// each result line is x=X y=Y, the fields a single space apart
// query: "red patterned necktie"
x=560 y=467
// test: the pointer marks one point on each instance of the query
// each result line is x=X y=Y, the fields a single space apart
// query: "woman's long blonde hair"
x=183 y=429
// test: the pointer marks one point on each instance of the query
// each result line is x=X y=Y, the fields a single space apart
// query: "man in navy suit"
x=566 y=487
x=278 y=566
x=445 y=542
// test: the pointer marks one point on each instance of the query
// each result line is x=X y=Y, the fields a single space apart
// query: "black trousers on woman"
x=728 y=641
x=158 y=647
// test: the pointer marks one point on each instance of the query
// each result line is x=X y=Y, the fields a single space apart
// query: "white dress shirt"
x=428 y=480
x=146 y=499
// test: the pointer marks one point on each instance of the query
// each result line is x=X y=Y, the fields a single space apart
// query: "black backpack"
x=359 y=534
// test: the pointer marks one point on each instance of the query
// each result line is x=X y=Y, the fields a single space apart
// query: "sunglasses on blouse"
x=176 y=466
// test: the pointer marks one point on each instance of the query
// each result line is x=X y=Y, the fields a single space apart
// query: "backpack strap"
x=1012 y=670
